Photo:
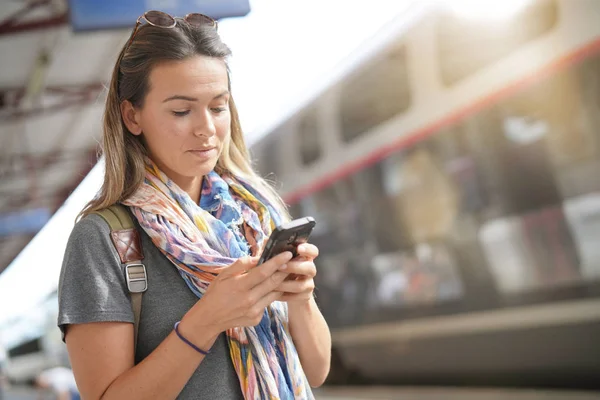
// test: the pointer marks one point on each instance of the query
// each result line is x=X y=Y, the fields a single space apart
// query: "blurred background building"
x=449 y=151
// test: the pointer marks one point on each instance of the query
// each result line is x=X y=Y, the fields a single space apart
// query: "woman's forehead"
x=199 y=75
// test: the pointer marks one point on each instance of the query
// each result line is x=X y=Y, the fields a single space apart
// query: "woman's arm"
x=312 y=339
x=101 y=355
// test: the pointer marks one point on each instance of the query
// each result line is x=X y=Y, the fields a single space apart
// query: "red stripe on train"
x=420 y=134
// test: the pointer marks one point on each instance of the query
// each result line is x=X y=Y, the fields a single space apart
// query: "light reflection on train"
x=453 y=174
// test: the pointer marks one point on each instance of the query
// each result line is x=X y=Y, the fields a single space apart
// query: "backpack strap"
x=126 y=240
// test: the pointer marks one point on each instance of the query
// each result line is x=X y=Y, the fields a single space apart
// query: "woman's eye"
x=181 y=113
x=219 y=110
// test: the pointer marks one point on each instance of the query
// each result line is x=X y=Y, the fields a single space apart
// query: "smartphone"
x=287 y=237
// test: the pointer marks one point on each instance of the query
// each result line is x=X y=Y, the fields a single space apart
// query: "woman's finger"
x=261 y=273
x=308 y=250
x=291 y=297
x=297 y=286
x=268 y=285
x=304 y=268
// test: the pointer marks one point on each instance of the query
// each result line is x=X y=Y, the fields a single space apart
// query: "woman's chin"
x=204 y=168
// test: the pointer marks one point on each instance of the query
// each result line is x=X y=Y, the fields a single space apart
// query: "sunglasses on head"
x=163 y=20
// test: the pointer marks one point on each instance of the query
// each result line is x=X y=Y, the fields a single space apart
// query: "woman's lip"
x=204 y=154
x=202 y=150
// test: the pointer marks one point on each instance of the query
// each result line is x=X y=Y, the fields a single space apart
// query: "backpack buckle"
x=137 y=279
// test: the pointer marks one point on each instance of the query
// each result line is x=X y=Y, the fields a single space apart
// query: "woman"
x=175 y=155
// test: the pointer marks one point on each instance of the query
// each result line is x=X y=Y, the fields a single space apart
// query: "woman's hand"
x=238 y=296
x=299 y=286
x=307 y=326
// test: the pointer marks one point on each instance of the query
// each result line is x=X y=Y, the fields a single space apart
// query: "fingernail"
x=288 y=255
x=283 y=267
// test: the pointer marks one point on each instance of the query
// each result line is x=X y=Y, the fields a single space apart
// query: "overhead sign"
x=89 y=15
x=21 y=222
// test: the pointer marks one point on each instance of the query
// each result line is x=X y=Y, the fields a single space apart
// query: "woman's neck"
x=192 y=186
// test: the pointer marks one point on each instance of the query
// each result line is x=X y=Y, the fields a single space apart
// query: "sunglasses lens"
x=160 y=19
x=197 y=19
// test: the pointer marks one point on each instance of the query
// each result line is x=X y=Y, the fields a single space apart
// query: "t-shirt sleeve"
x=92 y=285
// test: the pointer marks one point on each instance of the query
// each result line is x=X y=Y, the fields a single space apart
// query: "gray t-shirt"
x=93 y=288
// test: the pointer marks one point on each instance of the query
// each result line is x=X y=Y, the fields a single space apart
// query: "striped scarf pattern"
x=232 y=220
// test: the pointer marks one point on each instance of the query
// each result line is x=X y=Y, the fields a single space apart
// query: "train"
x=452 y=165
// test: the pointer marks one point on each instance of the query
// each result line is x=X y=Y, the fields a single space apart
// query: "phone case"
x=287 y=237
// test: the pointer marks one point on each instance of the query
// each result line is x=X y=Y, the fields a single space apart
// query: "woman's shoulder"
x=90 y=224
x=90 y=234
x=91 y=258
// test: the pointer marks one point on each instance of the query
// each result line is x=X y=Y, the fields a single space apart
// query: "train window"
x=421 y=202
x=458 y=36
x=424 y=275
x=426 y=200
x=29 y=347
x=326 y=205
x=342 y=234
x=375 y=94
x=542 y=152
x=385 y=231
x=309 y=138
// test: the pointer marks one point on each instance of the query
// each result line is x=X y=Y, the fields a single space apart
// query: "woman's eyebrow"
x=180 y=97
x=225 y=93
x=188 y=98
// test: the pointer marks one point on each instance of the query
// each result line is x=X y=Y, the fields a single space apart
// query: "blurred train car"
x=453 y=168
x=34 y=343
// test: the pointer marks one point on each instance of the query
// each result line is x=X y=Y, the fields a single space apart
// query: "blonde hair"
x=125 y=153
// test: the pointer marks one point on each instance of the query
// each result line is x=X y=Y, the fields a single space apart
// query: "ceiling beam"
x=85 y=160
x=12 y=24
x=66 y=96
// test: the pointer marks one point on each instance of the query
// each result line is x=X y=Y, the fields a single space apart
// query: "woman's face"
x=185 y=118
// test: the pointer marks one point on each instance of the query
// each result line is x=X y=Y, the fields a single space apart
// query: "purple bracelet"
x=192 y=345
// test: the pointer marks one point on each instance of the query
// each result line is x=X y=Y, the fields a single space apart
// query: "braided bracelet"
x=192 y=345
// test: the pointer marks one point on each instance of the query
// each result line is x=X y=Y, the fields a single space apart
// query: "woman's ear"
x=131 y=117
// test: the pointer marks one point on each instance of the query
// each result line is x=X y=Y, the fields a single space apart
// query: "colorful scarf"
x=201 y=240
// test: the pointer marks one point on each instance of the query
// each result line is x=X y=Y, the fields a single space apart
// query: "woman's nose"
x=205 y=126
